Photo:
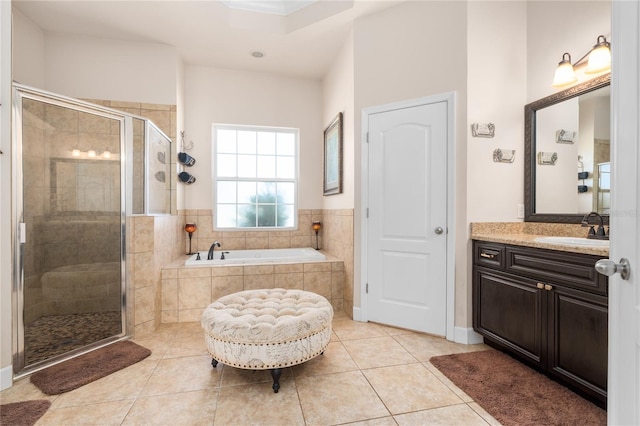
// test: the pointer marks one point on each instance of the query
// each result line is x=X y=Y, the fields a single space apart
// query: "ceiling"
x=300 y=42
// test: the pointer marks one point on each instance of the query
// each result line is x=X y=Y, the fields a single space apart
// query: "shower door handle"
x=22 y=233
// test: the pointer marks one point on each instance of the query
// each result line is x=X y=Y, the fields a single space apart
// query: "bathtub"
x=243 y=257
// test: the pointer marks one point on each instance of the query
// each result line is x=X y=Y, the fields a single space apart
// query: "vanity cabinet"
x=547 y=307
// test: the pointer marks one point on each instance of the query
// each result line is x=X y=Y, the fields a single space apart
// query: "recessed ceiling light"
x=257 y=54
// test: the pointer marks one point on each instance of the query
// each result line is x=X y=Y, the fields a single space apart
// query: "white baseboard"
x=467 y=336
x=6 y=377
x=357 y=315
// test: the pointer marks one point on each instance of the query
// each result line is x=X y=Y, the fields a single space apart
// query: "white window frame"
x=214 y=177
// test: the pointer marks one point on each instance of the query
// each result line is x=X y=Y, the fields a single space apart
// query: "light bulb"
x=91 y=153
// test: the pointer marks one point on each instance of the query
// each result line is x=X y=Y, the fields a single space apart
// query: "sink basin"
x=573 y=241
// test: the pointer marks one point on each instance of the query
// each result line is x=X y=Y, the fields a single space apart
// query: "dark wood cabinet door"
x=577 y=336
x=509 y=311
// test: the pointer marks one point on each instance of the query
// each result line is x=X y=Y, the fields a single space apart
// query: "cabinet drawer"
x=488 y=254
x=553 y=267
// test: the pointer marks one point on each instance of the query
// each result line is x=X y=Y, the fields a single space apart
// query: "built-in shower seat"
x=268 y=329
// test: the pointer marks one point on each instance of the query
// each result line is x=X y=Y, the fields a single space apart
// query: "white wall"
x=214 y=95
x=413 y=50
x=338 y=96
x=557 y=27
x=28 y=47
x=497 y=75
x=98 y=68
x=6 y=371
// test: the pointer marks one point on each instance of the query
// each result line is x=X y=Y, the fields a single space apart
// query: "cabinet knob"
x=548 y=287
x=540 y=286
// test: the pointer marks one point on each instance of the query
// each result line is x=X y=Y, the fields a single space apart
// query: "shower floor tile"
x=53 y=335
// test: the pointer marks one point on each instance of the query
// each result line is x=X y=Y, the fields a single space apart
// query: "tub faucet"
x=211 y=249
x=600 y=234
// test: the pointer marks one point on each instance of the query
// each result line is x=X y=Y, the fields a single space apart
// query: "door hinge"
x=367 y=138
x=366 y=289
x=367 y=212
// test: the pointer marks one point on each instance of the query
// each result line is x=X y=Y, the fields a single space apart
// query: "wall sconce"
x=316 y=225
x=190 y=228
x=599 y=59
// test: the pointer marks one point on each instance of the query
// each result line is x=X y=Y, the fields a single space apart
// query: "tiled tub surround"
x=525 y=234
x=335 y=237
x=188 y=290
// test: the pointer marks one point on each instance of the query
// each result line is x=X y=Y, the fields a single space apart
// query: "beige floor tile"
x=383 y=421
x=237 y=376
x=444 y=379
x=158 y=344
x=335 y=359
x=23 y=390
x=257 y=404
x=123 y=384
x=410 y=387
x=424 y=346
x=338 y=398
x=106 y=413
x=189 y=344
x=453 y=415
x=349 y=330
x=175 y=375
x=377 y=352
x=486 y=416
x=185 y=408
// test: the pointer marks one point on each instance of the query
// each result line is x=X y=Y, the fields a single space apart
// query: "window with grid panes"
x=255 y=174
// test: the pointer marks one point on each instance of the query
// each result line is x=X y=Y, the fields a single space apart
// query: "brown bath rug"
x=24 y=413
x=79 y=371
x=515 y=394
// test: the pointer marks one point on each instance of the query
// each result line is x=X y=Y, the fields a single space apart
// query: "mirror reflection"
x=577 y=131
x=567 y=149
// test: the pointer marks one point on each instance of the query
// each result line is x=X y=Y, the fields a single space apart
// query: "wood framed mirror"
x=571 y=128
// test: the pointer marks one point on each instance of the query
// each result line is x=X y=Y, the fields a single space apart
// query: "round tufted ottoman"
x=267 y=329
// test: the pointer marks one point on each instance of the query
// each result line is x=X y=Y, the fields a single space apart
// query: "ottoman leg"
x=275 y=373
x=214 y=362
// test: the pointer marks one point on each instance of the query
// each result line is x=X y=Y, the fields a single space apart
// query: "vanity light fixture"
x=598 y=59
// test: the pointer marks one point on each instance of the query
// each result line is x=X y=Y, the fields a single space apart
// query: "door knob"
x=609 y=267
x=439 y=230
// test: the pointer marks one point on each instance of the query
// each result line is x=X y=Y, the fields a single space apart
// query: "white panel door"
x=406 y=229
x=624 y=295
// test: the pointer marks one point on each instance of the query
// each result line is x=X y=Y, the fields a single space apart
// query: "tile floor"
x=369 y=375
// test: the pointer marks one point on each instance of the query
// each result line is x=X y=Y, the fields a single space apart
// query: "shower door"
x=69 y=212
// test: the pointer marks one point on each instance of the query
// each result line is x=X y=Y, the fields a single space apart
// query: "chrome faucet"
x=599 y=234
x=211 y=250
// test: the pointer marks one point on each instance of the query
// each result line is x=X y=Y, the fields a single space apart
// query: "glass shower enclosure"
x=70 y=212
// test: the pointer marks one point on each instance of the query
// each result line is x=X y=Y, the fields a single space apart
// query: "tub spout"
x=211 y=249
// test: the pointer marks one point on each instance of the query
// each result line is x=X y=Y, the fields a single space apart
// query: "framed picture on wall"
x=333 y=157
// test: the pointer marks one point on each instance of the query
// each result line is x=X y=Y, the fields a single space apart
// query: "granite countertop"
x=525 y=234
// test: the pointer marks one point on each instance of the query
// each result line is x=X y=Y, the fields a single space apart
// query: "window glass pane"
x=246 y=142
x=226 y=141
x=285 y=215
x=266 y=167
x=247 y=215
x=266 y=192
x=246 y=166
x=286 y=144
x=226 y=216
x=246 y=192
x=286 y=168
x=286 y=192
x=226 y=166
x=267 y=215
x=266 y=143
x=226 y=192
